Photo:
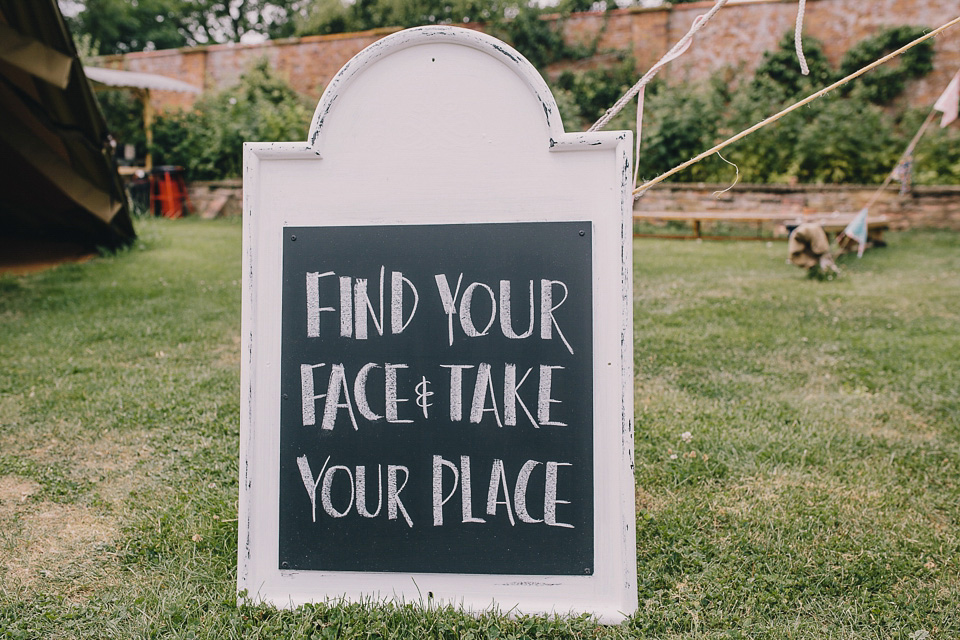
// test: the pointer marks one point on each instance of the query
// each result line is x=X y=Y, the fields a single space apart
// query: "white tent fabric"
x=137 y=80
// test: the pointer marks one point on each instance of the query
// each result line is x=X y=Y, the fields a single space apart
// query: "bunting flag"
x=857 y=229
x=949 y=102
x=903 y=173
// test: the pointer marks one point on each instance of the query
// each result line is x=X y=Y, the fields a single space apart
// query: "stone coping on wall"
x=708 y=4
x=923 y=207
x=929 y=190
x=236 y=183
x=379 y=32
x=935 y=206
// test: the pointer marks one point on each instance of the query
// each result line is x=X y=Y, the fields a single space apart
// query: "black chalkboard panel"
x=437 y=399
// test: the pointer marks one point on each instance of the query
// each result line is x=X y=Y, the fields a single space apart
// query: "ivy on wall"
x=882 y=85
x=855 y=136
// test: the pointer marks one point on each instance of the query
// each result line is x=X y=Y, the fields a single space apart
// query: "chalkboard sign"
x=437 y=410
x=437 y=336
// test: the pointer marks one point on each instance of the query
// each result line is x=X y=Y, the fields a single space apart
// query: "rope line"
x=639 y=190
x=736 y=179
x=682 y=45
x=798 y=38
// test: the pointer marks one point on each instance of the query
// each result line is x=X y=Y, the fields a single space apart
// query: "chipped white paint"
x=430 y=126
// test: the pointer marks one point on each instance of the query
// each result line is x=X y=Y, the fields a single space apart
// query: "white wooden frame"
x=441 y=125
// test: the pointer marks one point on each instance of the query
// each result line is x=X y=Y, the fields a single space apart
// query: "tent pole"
x=147 y=126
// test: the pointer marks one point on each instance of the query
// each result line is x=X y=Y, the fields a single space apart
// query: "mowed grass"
x=797 y=460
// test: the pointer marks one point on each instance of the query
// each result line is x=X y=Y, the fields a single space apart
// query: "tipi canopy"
x=58 y=180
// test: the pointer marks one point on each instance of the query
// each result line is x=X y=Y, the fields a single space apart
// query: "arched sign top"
x=454 y=82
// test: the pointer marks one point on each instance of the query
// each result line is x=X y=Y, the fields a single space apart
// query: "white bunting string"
x=798 y=38
x=641 y=189
x=677 y=50
x=636 y=155
x=736 y=179
x=671 y=55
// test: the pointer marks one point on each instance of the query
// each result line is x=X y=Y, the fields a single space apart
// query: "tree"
x=122 y=26
x=522 y=25
x=210 y=21
x=339 y=16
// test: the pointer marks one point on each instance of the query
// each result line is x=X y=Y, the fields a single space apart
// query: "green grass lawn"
x=798 y=449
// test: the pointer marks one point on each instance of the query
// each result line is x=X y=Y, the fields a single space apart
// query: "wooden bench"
x=833 y=223
x=697 y=218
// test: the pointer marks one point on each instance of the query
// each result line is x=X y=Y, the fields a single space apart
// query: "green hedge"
x=207 y=141
x=852 y=136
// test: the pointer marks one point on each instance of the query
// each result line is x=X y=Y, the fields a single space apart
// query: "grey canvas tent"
x=58 y=179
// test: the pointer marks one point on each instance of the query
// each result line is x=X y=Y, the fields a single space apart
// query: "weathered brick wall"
x=738 y=35
x=308 y=64
x=642 y=32
x=924 y=207
x=744 y=32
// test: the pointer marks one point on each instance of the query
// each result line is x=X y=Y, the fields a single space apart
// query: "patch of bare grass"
x=67 y=546
x=59 y=548
x=11 y=409
x=647 y=502
x=228 y=357
x=49 y=546
x=91 y=455
x=774 y=492
x=14 y=490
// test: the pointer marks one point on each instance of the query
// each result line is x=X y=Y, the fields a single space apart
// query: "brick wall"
x=308 y=64
x=924 y=207
x=738 y=35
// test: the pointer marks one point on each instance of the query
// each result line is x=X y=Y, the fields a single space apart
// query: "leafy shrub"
x=846 y=141
x=124 y=115
x=679 y=123
x=886 y=82
x=937 y=158
x=767 y=154
x=540 y=41
x=841 y=138
x=208 y=140
x=778 y=77
x=593 y=91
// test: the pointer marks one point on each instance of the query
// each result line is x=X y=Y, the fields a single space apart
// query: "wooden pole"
x=147 y=126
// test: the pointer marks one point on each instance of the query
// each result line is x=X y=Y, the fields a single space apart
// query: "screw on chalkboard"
x=286 y=397
x=587 y=571
x=293 y=238
x=582 y=232
x=284 y=565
